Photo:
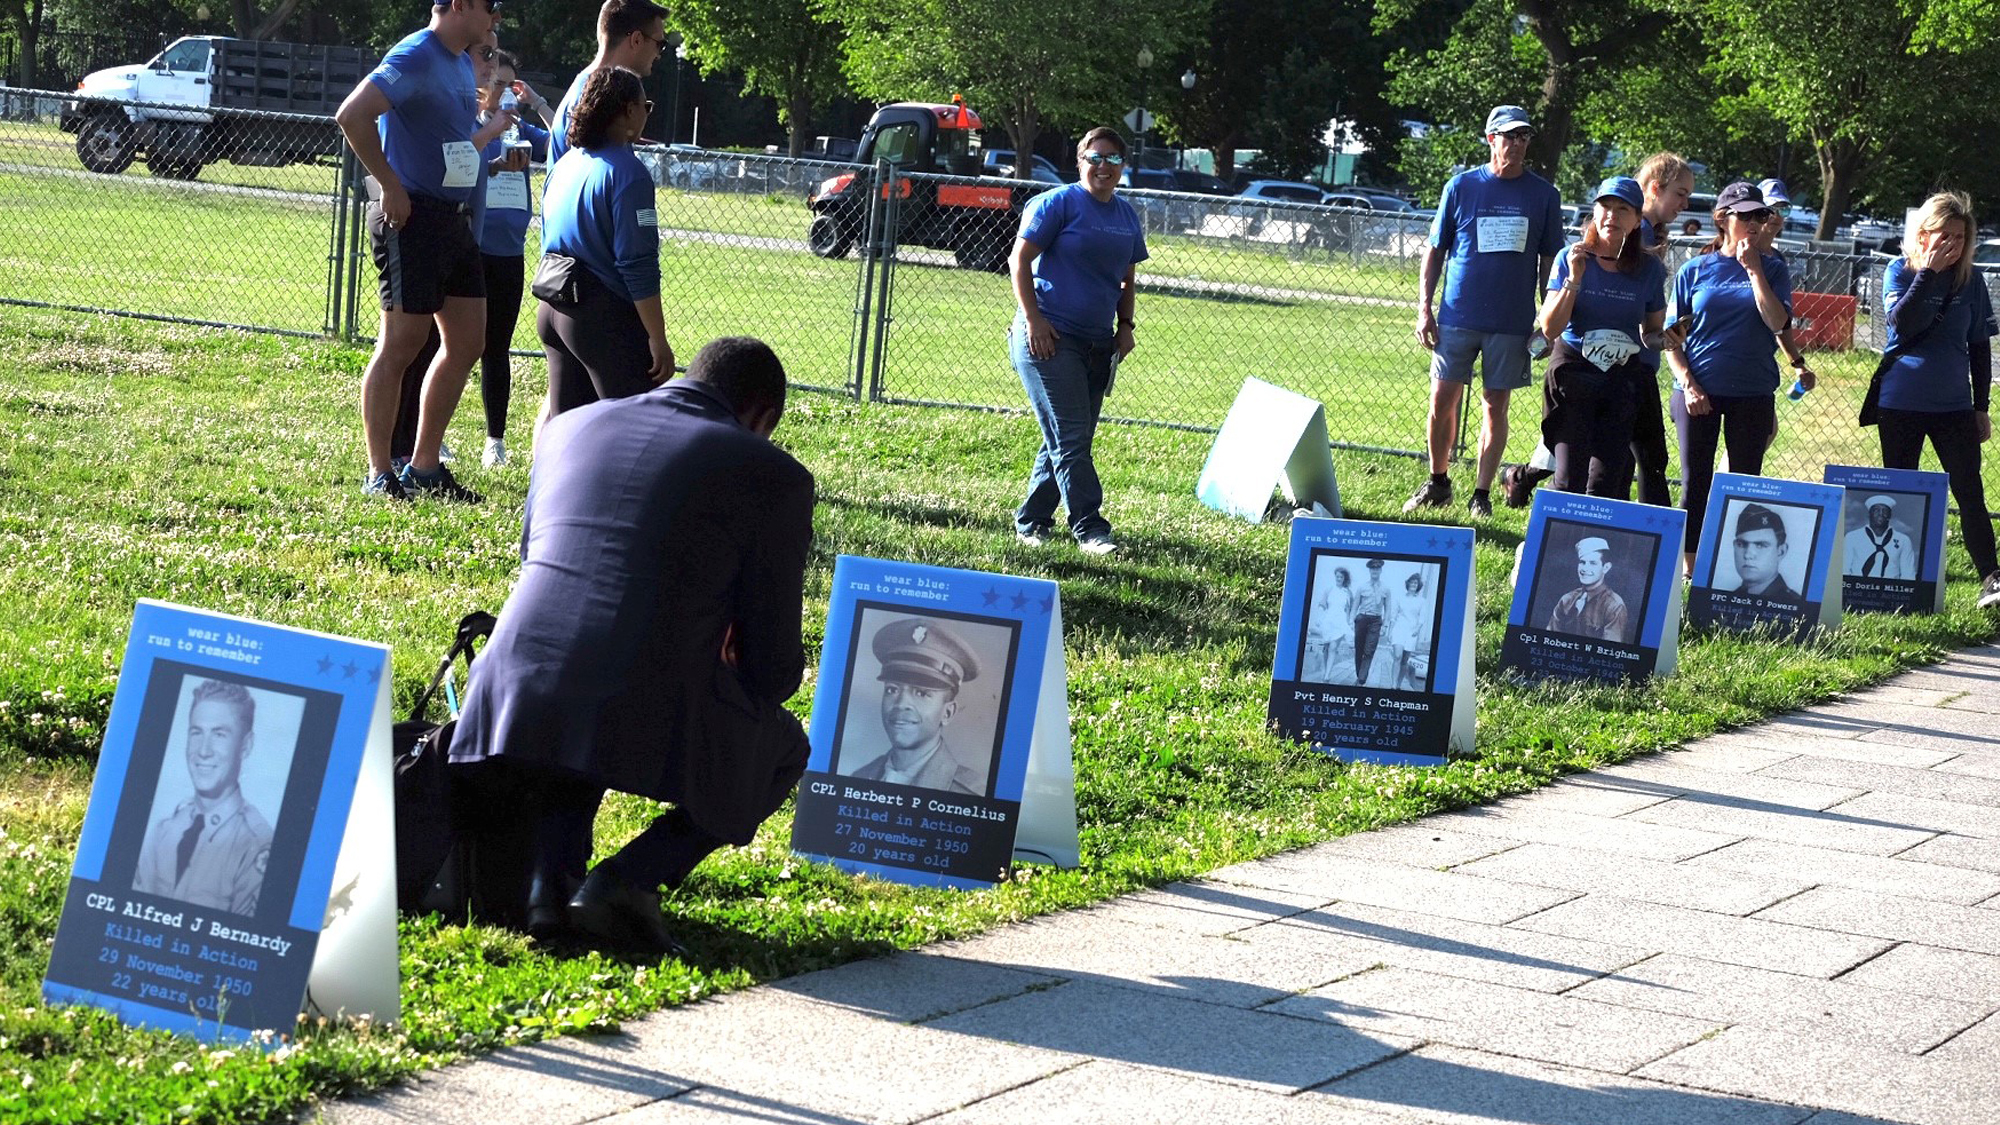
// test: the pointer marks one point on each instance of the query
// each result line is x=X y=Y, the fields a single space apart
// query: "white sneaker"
x=496 y=453
x=445 y=455
x=1098 y=545
x=1989 y=591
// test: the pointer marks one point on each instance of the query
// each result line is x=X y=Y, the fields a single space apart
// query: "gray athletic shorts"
x=1503 y=358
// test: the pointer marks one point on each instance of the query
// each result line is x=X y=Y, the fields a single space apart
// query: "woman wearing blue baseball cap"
x=1606 y=303
x=1726 y=373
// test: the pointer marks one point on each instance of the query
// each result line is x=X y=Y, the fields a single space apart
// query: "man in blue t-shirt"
x=631 y=34
x=1499 y=226
x=412 y=123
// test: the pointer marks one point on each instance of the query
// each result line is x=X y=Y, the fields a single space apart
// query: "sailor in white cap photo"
x=1879 y=548
x=1593 y=609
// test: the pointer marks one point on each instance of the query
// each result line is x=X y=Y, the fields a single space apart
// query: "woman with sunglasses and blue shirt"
x=1073 y=267
x=1726 y=373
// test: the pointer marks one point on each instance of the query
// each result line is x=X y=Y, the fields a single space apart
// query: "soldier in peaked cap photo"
x=1593 y=609
x=1759 y=550
x=1879 y=548
x=924 y=661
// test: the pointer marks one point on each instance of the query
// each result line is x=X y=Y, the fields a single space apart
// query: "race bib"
x=1503 y=234
x=507 y=191
x=1606 y=348
x=461 y=164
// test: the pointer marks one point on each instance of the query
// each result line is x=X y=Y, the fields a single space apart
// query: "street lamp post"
x=674 y=103
x=1187 y=85
x=1144 y=60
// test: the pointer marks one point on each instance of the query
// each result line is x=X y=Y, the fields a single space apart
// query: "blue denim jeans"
x=1066 y=392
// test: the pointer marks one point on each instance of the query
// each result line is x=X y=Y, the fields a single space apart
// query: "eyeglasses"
x=649 y=107
x=659 y=45
x=1761 y=215
x=1516 y=136
x=1096 y=158
x=486 y=54
x=493 y=7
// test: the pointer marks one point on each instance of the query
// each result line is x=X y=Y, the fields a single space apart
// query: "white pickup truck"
x=188 y=94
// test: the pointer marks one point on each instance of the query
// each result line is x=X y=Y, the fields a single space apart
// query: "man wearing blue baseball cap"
x=1497 y=229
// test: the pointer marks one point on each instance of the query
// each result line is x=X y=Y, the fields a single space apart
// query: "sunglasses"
x=659 y=45
x=486 y=54
x=1096 y=158
x=1762 y=215
x=493 y=7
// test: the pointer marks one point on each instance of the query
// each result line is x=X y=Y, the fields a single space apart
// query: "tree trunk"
x=798 y=116
x=275 y=22
x=1558 y=109
x=1840 y=164
x=31 y=46
x=1023 y=130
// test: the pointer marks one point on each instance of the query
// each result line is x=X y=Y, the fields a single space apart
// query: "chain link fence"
x=873 y=285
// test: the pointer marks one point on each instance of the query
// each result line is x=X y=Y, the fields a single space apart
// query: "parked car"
x=1986 y=259
x=1201 y=183
x=1386 y=204
x=682 y=166
x=1281 y=191
x=1002 y=162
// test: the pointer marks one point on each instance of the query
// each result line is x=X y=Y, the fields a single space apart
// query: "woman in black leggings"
x=1939 y=367
x=1726 y=375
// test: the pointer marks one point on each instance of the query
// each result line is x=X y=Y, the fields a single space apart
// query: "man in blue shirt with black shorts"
x=411 y=124
x=1499 y=226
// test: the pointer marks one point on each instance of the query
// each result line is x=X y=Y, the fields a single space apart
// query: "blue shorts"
x=1503 y=358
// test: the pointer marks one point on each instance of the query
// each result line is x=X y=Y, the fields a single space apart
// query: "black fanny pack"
x=559 y=280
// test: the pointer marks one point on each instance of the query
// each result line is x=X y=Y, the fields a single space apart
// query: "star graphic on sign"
x=1020 y=600
x=325 y=664
x=1433 y=541
x=375 y=674
x=990 y=597
x=348 y=669
x=1049 y=604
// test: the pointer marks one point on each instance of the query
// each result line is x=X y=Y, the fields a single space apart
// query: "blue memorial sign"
x=1272 y=439
x=1767 y=556
x=1374 y=660
x=940 y=727
x=1598 y=592
x=1892 y=539
x=218 y=813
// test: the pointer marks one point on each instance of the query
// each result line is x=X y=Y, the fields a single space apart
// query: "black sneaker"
x=1989 y=591
x=1430 y=494
x=438 y=483
x=1479 y=507
x=384 y=485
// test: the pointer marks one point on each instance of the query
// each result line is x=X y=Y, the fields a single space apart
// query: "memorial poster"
x=1272 y=439
x=1374 y=659
x=205 y=874
x=1767 y=556
x=1598 y=592
x=1892 y=538
x=940 y=727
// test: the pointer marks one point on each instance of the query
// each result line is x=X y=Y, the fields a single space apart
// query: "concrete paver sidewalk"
x=1796 y=922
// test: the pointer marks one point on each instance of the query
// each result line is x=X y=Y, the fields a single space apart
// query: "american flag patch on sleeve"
x=648 y=217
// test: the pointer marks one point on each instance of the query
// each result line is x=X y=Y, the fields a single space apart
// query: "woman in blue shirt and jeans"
x=598 y=208
x=1938 y=367
x=1073 y=273
x=1726 y=374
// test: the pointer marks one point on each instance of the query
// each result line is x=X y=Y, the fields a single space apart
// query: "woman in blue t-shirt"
x=1726 y=373
x=1606 y=302
x=1073 y=272
x=598 y=209
x=509 y=206
x=1937 y=369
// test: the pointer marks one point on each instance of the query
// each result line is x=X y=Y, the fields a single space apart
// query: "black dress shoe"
x=613 y=915
x=548 y=905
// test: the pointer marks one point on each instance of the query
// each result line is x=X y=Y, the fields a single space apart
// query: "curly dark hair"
x=606 y=94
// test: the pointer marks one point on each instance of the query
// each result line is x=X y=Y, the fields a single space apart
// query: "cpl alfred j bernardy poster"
x=940 y=727
x=1374 y=660
x=220 y=885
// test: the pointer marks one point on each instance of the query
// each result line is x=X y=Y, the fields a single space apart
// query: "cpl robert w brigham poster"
x=1598 y=595
x=1374 y=660
x=218 y=872
x=940 y=727
x=1892 y=539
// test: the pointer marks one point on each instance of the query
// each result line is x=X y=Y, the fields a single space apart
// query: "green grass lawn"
x=220 y=469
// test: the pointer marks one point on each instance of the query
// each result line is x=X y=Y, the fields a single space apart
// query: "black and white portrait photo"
x=926 y=699
x=1883 y=534
x=1765 y=550
x=222 y=780
x=1371 y=621
x=1591 y=581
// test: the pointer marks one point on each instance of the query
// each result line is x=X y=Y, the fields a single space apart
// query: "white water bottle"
x=510 y=104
